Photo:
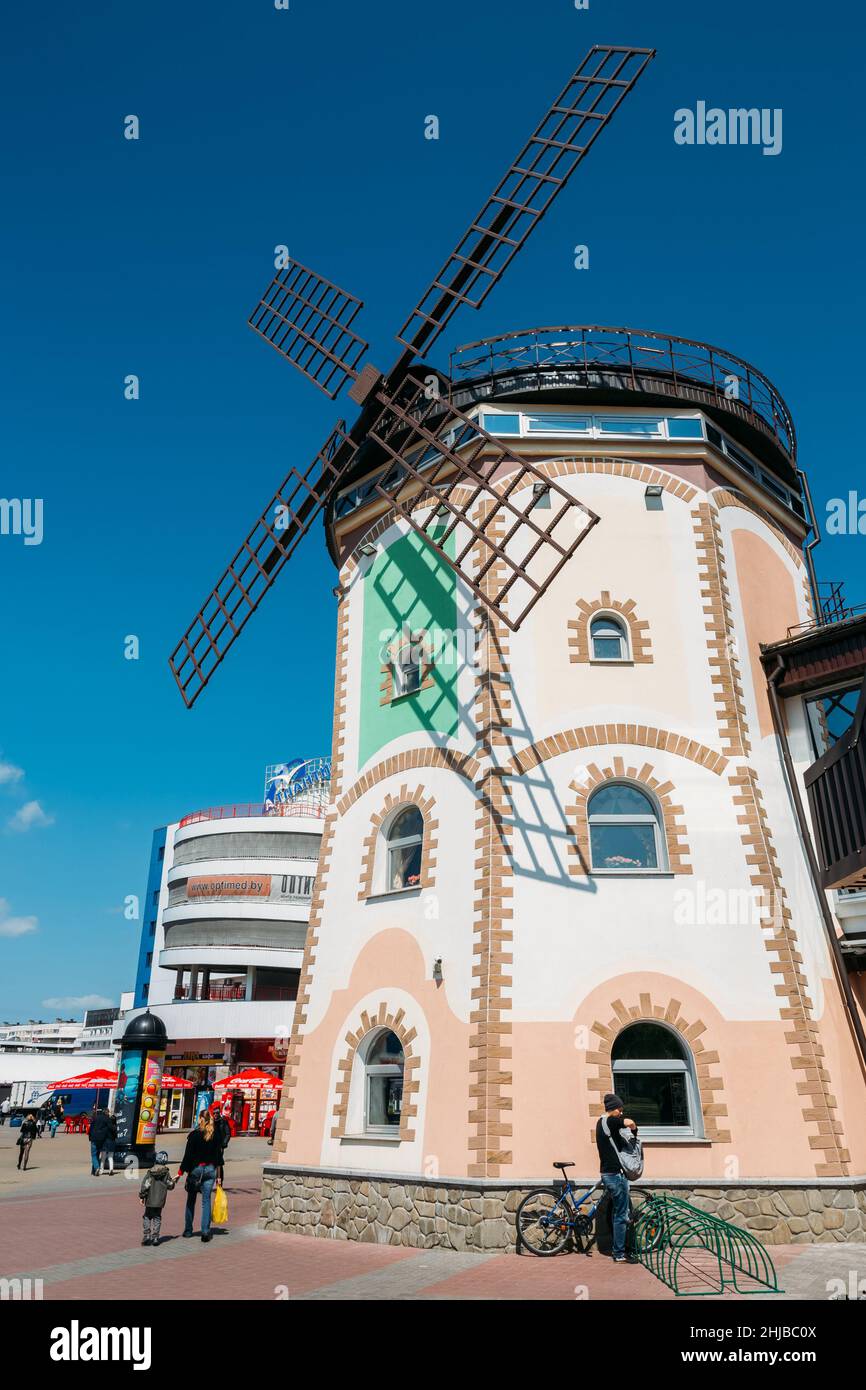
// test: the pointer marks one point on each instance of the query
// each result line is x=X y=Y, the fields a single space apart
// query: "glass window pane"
x=409 y=822
x=619 y=799
x=685 y=429
x=647 y=1042
x=501 y=424
x=654 y=1098
x=558 y=424
x=605 y=627
x=405 y=866
x=617 y=424
x=623 y=847
x=607 y=648
x=386 y=1047
x=384 y=1100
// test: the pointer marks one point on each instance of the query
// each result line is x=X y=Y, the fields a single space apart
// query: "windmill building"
x=594 y=800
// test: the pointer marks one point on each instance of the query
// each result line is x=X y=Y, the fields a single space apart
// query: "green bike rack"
x=697 y=1254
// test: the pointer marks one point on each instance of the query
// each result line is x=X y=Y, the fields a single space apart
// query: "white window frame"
x=635 y=1066
x=380 y=1069
x=656 y=820
x=614 y=621
x=403 y=842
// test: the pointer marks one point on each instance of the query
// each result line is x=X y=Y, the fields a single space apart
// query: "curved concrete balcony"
x=224 y=868
x=211 y=1018
x=242 y=910
x=217 y=957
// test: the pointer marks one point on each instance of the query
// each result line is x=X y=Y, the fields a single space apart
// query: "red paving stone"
x=559 y=1278
x=250 y=1267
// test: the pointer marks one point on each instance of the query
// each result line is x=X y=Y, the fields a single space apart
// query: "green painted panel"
x=408 y=585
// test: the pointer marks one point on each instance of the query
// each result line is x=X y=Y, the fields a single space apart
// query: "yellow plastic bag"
x=220 y=1213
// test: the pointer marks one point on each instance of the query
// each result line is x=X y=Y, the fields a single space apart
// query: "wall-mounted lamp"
x=368 y=548
x=653 y=494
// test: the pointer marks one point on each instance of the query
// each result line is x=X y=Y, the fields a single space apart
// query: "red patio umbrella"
x=98 y=1080
x=252 y=1080
x=175 y=1083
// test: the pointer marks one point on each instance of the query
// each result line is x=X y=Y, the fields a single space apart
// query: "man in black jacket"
x=100 y=1129
x=612 y=1176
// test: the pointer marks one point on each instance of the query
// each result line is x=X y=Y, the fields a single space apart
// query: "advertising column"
x=136 y=1107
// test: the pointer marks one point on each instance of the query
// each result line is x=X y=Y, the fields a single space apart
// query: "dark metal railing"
x=630 y=358
x=836 y=785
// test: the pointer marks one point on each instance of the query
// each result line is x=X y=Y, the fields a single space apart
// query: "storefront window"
x=384 y=1082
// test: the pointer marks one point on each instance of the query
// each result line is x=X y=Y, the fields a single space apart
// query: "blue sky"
x=306 y=127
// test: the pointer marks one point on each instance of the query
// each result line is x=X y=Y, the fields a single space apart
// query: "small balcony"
x=836 y=786
x=823 y=663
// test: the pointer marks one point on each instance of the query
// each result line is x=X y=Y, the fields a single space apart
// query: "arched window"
x=407 y=661
x=653 y=1072
x=405 y=843
x=383 y=1082
x=625 y=834
x=609 y=639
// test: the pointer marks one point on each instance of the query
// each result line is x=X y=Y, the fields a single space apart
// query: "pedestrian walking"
x=5 y=1108
x=27 y=1133
x=100 y=1129
x=155 y=1187
x=202 y=1163
x=109 y=1144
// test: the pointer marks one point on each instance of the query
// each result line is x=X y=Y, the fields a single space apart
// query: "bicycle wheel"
x=543 y=1222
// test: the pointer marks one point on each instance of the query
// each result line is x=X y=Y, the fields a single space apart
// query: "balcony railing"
x=637 y=360
x=312 y=803
x=836 y=785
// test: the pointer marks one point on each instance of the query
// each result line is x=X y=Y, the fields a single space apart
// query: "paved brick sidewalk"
x=82 y=1236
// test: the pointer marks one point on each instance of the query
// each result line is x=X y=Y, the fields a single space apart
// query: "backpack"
x=631 y=1157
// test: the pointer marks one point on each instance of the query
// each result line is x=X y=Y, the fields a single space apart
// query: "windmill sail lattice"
x=243 y=584
x=443 y=474
x=522 y=197
x=511 y=524
x=309 y=320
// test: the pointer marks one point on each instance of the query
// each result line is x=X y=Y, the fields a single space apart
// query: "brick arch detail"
x=724 y=497
x=640 y=645
x=462 y=763
x=395 y=1021
x=674 y=827
x=547 y=468
x=710 y=1083
x=599 y=735
x=405 y=797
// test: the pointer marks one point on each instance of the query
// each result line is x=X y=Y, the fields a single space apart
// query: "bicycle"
x=548 y=1218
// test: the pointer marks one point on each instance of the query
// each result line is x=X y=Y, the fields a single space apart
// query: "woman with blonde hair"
x=202 y=1163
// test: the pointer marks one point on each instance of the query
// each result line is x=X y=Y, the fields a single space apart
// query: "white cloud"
x=78 y=1001
x=15 y=926
x=30 y=816
x=9 y=773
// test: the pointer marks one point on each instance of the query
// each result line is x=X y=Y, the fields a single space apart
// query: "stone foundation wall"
x=390 y=1210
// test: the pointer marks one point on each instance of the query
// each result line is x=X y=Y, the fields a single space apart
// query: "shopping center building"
x=226 y=912
x=568 y=859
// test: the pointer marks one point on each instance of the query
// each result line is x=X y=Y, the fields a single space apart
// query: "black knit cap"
x=612 y=1101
